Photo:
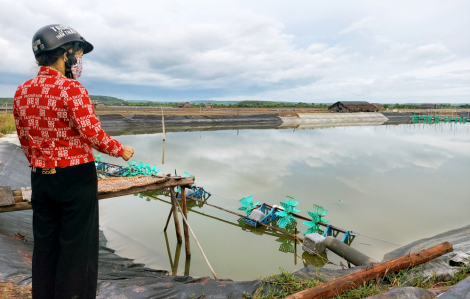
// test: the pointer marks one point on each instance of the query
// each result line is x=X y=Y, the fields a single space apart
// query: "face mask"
x=77 y=68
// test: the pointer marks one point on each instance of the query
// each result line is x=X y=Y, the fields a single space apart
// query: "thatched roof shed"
x=377 y=105
x=352 y=106
x=185 y=105
x=207 y=105
x=430 y=106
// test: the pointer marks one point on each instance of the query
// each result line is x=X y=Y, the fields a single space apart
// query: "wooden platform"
x=169 y=182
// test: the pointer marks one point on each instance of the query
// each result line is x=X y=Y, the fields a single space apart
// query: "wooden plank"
x=170 y=183
x=185 y=224
x=335 y=287
x=20 y=206
x=6 y=196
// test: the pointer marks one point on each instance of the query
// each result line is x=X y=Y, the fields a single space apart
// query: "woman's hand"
x=128 y=153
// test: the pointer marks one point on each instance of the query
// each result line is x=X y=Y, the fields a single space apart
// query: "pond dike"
x=116 y=124
x=120 y=277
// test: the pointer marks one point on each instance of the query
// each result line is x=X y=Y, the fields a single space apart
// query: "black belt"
x=53 y=170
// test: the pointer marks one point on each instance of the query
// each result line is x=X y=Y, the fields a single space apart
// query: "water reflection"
x=388 y=182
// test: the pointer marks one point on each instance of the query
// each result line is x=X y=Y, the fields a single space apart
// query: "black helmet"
x=53 y=36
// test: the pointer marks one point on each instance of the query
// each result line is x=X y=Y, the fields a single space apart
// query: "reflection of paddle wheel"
x=287 y=243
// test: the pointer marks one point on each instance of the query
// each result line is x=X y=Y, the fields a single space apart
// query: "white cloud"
x=358 y=25
x=281 y=52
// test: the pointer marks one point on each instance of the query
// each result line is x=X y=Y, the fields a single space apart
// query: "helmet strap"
x=71 y=60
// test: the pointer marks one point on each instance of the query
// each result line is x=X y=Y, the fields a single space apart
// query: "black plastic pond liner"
x=408 y=293
x=460 y=290
x=115 y=124
x=395 y=118
x=14 y=169
x=113 y=120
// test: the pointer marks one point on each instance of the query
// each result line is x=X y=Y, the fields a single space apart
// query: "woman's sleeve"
x=22 y=136
x=83 y=116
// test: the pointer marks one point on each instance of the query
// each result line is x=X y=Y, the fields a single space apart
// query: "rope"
x=376 y=238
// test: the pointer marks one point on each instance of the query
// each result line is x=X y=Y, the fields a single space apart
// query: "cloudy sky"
x=308 y=51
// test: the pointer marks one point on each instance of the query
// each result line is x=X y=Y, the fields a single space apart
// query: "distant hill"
x=214 y=102
x=112 y=101
x=6 y=100
x=109 y=101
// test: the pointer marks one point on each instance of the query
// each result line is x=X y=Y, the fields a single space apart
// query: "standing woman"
x=57 y=128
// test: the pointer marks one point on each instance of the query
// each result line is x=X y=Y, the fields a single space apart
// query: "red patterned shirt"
x=56 y=123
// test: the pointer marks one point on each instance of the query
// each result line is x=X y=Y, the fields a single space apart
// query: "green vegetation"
x=405 y=106
x=449 y=106
x=111 y=101
x=282 y=285
x=285 y=284
x=416 y=106
x=6 y=100
x=7 y=124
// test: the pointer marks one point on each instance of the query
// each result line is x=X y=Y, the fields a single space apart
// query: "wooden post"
x=168 y=250
x=168 y=220
x=197 y=242
x=177 y=259
x=163 y=153
x=187 y=265
x=163 y=123
x=295 y=246
x=337 y=286
x=175 y=216
x=185 y=225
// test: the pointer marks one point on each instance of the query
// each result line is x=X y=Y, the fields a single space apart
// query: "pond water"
x=391 y=184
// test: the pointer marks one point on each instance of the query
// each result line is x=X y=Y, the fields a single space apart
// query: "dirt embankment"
x=128 y=110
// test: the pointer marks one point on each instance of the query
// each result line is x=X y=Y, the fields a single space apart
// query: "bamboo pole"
x=194 y=236
x=187 y=245
x=374 y=271
x=174 y=202
x=163 y=152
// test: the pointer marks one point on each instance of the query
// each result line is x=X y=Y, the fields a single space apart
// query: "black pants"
x=65 y=227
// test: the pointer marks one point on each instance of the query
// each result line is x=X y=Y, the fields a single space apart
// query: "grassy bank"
x=7 y=124
x=285 y=284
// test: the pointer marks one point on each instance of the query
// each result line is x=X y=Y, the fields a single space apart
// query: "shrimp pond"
x=391 y=184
